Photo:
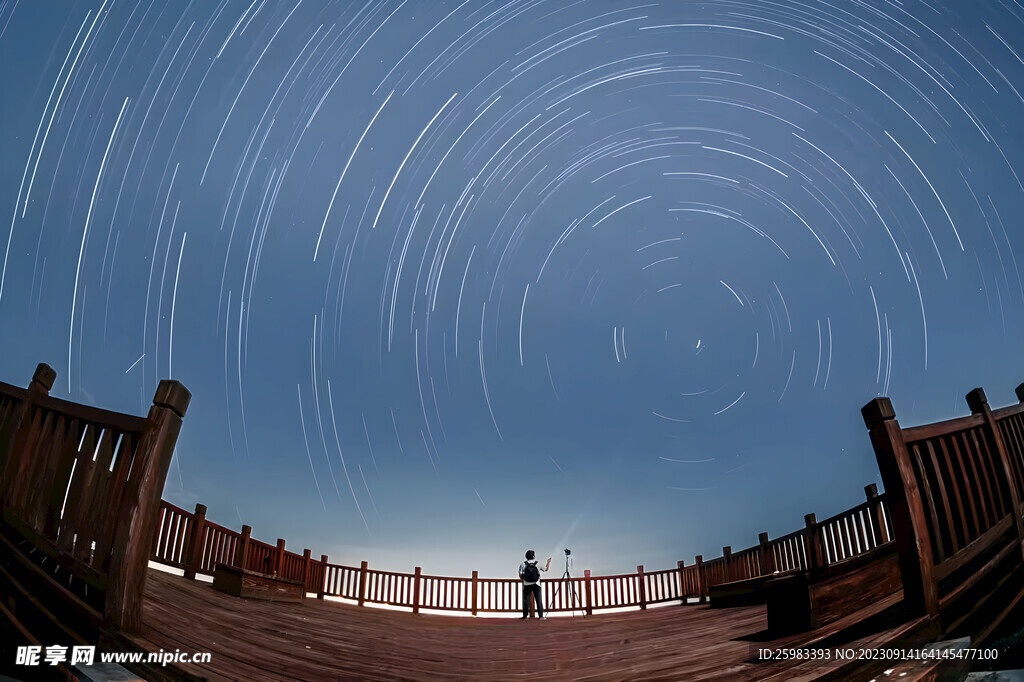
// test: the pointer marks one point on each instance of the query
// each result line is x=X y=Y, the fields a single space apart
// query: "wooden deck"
x=325 y=640
x=82 y=516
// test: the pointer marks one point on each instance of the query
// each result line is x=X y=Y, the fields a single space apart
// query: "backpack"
x=531 y=573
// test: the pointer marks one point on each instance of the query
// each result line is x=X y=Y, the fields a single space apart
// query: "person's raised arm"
x=548 y=565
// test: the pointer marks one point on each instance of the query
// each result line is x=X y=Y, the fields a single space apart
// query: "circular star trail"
x=451 y=279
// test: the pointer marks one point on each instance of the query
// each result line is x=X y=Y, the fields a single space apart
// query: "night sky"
x=449 y=281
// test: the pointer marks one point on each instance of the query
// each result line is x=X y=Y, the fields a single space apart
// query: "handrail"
x=863 y=531
x=13 y=391
x=82 y=486
x=94 y=415
x=1008 y=411
x=926 y=431
x=178 y=532
x=956 y=490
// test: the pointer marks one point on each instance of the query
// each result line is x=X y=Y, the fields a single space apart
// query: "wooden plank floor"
x=324 y=640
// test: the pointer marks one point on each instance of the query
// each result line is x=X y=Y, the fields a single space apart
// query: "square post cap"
x=173 y=395
x=976 y=400
x=44 y=376
x=877 y=411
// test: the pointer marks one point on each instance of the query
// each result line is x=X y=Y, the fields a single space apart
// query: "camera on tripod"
x=571 y=597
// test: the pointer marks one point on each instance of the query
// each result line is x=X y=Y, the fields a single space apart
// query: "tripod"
x=574 y=599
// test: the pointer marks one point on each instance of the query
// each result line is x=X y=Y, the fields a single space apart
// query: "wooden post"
x=764 y=555
x=702 y=582
x=306 y=565
x=362 y=582
x=242 y=549
x=44 y=376
x=727 y=562
x=23 y=461
x=279 y=558
x=680 y=565
x=13 y=460
x=978 y=402
x=910 y=527
x=812 y=543
x=476 y=579
x=416 y=588
x=323 y=578
x=197 y=534
x=641 y=587
x=140 y=507
x=589 y=591
x=876 y=514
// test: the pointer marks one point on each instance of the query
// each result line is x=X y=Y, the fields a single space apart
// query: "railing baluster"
x=978 y=403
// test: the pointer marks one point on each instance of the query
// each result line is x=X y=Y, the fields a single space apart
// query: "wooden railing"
x=80 y=490
x=188 y=541
x=844 y=536
x=957 y=520
x=966 y=474
x=788 y=553
x=855 y=531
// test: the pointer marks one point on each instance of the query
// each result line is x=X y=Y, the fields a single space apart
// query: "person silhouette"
x=529 y=573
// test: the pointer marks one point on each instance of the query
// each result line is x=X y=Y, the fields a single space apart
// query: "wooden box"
x=241 y=582
x=803 y=601
x=739 y=593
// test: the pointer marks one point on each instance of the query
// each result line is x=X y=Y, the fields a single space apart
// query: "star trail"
x=451 y=280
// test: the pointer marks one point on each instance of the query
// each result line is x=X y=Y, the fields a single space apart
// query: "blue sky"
x=449 y=281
